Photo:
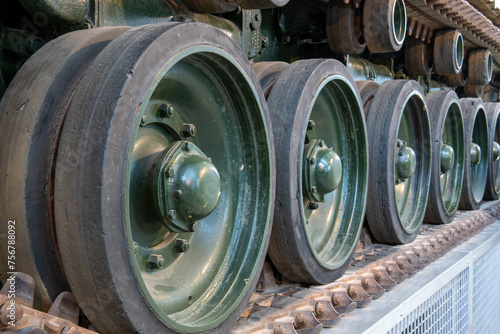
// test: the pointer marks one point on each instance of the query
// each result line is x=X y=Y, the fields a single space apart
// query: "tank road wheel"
x=448 y=52
x=418 y=57
x=33 y=111
x=448 y=156
x=367 y=91
x=493 y=180
x=384 y=24
x=321 y=151
x=400 y=161
x=164 y=185
x=476 y=153
x=267 y=73
x=343 y=28
x=480 y=67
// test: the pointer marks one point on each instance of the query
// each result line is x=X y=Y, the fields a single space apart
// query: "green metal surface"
x=194 y=265
x=452 y=156
x=408 y=189
x=447 y=156
x=460 y=51
x=68 y=11
x=475 y=154
x=406 y=162
x=362 y=69
x=479 y=158
x=399 y=23
x=338 y=122
x=322 y=170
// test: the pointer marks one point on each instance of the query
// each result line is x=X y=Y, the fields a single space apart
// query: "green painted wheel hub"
x=190 y=186
x=447 y=158
x=475 y=154
x=496 y=151
x=199 y=188
x=322 y=170
x=406 y=162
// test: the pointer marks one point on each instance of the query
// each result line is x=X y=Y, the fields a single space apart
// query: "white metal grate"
x=486 y=293
x=446 y=311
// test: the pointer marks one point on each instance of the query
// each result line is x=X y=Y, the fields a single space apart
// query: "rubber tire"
x=210 y=6
x=438 y=103
x=367 y=90
x=267 y=72
x=493 y=113
x=289 y=105
x=455 y=80
x=445 y=45
x=470 y=107
x=33 y=112
x=481 y=67
x=341 y=28
x=382 y=123
x=377 y=26
x=417 y=54
x=262 y=4
x=89 y=199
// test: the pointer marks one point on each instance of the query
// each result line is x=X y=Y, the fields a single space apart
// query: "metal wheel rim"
x=332 y=229
x=223 y=246
x=495 y=172
x=408 y=192
x=459 y=51
x=451 y=180
x=399 y=21
x=479 y=172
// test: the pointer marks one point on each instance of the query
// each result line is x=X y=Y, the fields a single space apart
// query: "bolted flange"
x=495 y=151
x=322 y=170
x=475 y=154
x=447 y=158
x=187 y=186
x=406 y=162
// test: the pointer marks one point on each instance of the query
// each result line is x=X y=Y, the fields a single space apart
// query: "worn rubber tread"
x=267 y=72
x=481 y=67
x=367 y=90
x=383 y=124
x=344 y=33
x=470 y=109
x=445 y=52
x=492 y=191
x=93 y=169
x=33 y=111
x=290 y=104
x=418 y=57
x=439 y=103
x=378 y=21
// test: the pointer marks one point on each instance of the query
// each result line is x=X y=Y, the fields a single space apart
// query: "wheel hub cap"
x=496 y=151
x=406 y=162
x=189 y=186
x=475 y=154
x=322 y=170
x=447 y=158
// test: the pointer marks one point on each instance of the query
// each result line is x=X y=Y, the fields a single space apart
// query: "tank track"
x=427 y=16
x=283 y=308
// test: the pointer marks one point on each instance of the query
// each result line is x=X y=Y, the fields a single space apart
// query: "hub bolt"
x=156 y=261
x=311 y=125
x=188 y=130
x=136 y=248
x=193 y=227
x=181 y=245
x=178 y=193
x=313 y=205
x=172 y=214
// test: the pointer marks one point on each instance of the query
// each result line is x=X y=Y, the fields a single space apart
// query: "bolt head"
x=136 y=248
x=313 y=205
x=156 y=261
x=194 y=226
x=188 y=130
x=169 y=172
x=172 y=214
x=178 y=193
x=181 y=245
x=311 y=125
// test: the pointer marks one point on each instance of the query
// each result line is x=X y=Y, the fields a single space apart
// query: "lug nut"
x=188 y=130
x=181 y=245
x=165 y=110
x=193 y=227
x=311 y=125
x=313 y=205
x=178 y=193
x=169 y=172
x=172 y=214
x=156 y=261
x=136 y=248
